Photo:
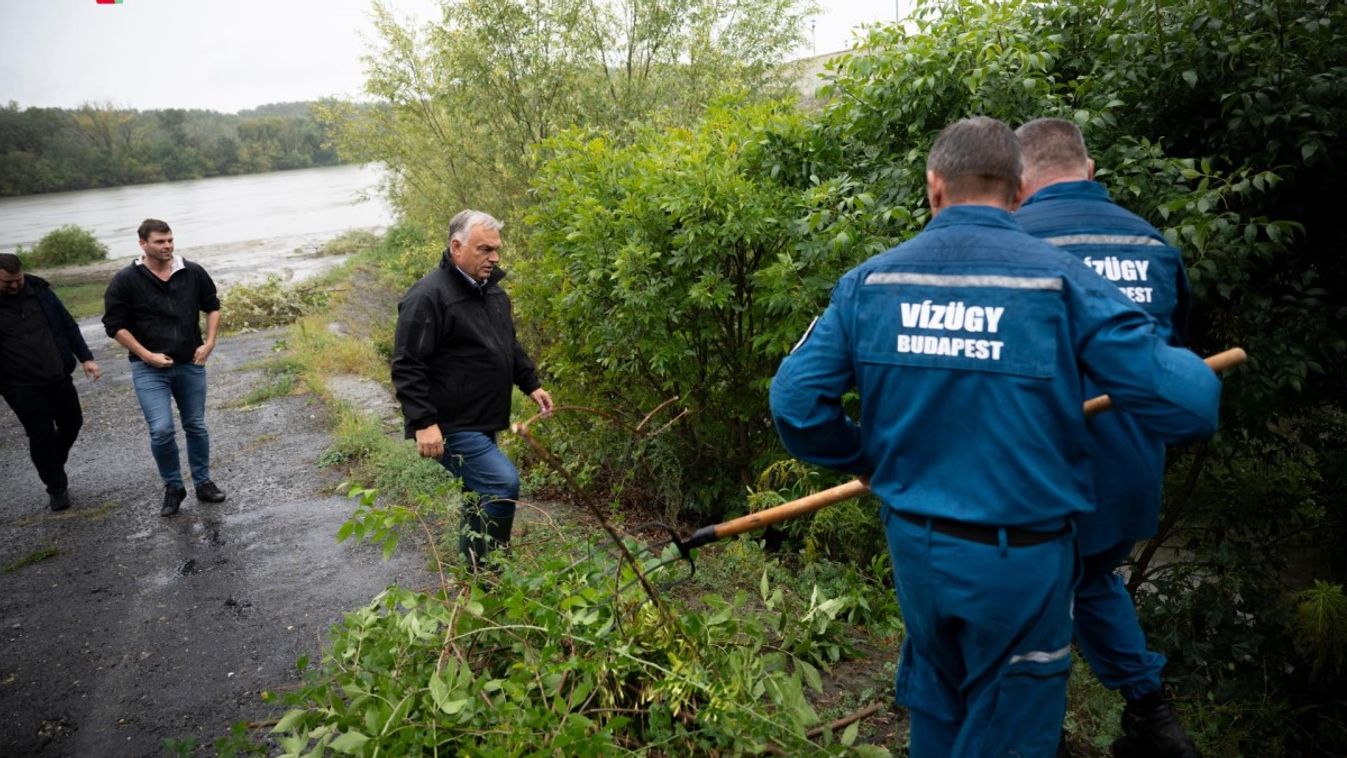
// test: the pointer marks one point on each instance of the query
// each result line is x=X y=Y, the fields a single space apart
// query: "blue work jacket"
x=1080 y=218
x=968 y=344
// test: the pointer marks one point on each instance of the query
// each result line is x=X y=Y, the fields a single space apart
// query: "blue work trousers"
x=158 y=389
x=1107 y=630
x=484 y=469
x=984 y=667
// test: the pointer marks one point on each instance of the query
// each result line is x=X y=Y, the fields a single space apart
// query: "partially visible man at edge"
x=1067 y=209
x=967 y=344
x=455 y=356
x=39 y=344
x=152 y=308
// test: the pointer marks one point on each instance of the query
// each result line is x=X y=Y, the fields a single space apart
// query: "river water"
x=238 y=227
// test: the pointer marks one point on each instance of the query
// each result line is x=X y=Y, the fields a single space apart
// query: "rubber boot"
x=472 y=540
x=1151 y=729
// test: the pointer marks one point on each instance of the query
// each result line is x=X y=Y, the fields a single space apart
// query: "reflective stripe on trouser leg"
x=969 y=610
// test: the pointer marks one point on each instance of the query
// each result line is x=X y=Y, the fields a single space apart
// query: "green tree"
x=464 y=101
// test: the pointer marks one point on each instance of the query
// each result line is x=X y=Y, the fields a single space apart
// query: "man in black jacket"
x=152 y=308
x=455 y=356
x=39 y=344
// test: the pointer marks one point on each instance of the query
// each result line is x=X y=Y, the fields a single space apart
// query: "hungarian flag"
x=109 y=2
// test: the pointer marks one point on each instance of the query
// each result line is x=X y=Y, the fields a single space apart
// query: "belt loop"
x=928 y=533
x=1001 y=540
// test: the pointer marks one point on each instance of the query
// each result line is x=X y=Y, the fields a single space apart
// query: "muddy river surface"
x=238 y=227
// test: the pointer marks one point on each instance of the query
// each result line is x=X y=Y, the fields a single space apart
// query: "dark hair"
x=1052 y=145
x=977 y=157
x=152 y=225
x=10 y=263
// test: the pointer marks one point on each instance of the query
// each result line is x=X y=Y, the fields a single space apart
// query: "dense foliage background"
x=56 y=149
x=662 y=250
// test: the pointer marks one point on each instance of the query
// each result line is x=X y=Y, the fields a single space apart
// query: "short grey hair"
x=467 y=219
x=1052 y=145
x=977 y=156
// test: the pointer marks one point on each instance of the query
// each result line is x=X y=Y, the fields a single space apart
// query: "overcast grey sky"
x=229 y=55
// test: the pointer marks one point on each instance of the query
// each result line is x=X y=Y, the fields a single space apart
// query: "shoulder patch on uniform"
x=808 y=331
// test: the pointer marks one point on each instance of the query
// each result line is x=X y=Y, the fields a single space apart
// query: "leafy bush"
x=643 y=273
x=350 y=243
x=65 y=246
x=269 y=303
x=564 y=655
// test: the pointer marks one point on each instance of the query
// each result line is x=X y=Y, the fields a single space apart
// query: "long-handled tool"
x=854 y=488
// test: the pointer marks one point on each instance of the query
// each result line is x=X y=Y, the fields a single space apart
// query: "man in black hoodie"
x=455 y=355
x=39 y=344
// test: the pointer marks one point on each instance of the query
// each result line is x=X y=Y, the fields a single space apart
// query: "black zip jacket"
x=64 y=331
x=455 y=354
x=165 y=317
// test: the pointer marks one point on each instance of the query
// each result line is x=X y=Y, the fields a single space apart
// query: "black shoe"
x=59 y=501
x=1151 y=729
x=173 y=497
x=207 y=492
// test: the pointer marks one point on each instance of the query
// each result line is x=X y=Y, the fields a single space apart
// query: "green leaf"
x=290 y=720
x=1190 y=76
x=454 y=706
x=439 y=693
x=349 y=743
x=849 y=736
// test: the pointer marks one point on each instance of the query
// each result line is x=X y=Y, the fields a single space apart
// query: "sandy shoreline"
x=293 y=257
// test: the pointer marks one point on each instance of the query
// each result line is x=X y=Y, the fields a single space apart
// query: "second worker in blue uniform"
x=1075 y=214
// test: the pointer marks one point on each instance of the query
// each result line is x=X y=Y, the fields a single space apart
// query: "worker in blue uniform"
x=967 y=345
x=1067 y=209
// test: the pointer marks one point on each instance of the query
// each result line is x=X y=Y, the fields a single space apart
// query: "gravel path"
x=141 y=629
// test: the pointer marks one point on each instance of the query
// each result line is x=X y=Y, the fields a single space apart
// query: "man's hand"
x=157 y=360
x=543 y=400
x=91 y=370
x=430 y=442
x=202 y=353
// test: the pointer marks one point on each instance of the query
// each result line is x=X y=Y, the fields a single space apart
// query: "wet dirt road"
x=139 y=629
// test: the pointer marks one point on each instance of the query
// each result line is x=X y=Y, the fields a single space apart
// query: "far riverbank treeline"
x=58 y=149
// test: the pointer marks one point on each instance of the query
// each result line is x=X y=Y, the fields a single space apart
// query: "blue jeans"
x=157 y=389
x=1107 y=631
x=484 y=469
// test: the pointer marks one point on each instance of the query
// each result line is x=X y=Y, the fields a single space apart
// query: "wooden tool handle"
x=1218 y=363
x=854 y=488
